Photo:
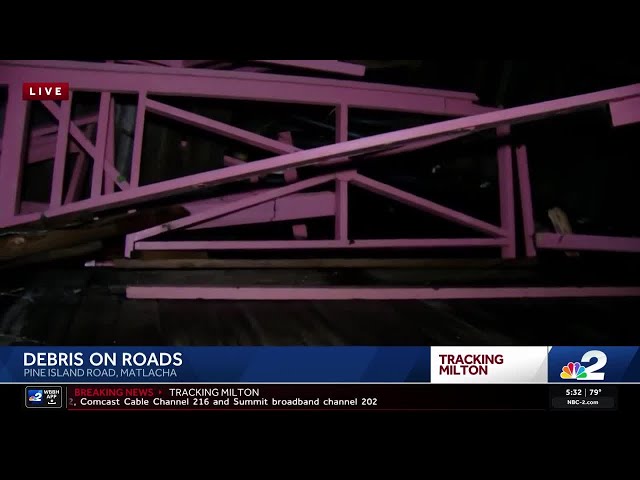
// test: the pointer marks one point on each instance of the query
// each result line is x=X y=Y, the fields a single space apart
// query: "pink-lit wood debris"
x=354 y=293
x=316 y=180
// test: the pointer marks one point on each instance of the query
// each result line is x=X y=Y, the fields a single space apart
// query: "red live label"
x=45 y=91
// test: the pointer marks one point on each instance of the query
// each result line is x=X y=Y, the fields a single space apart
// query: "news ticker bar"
x=320 y=397
x=442 y=365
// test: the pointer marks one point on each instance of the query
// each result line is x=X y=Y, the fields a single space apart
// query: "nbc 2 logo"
x=577 y=371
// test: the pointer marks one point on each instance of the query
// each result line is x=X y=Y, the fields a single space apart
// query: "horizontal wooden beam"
x=175 y=292
x=286 y=263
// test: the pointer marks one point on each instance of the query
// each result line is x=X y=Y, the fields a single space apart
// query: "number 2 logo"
x=37 y=397
x=592 y=370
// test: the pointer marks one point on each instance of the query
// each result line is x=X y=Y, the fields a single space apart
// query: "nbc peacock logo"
x=573 y=370
x=592 y=371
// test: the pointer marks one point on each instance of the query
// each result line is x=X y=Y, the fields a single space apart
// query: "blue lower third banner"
x=594 y=364
x=214 y=364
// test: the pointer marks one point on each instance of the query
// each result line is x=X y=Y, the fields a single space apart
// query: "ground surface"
x=88 y=307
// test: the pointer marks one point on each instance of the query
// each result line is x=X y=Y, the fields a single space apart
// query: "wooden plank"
x=188 y=263
x=163 y=255
x=47 y=239
x=54 y=255
x=562 y=225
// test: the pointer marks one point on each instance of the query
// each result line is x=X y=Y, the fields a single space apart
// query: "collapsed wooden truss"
x=150 y=81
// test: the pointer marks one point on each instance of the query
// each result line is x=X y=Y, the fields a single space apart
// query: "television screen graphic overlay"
x=593 y=364
x=46 y=396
